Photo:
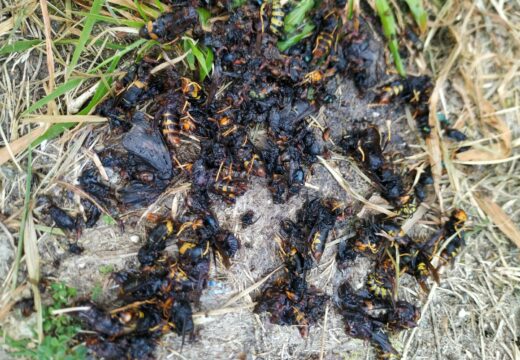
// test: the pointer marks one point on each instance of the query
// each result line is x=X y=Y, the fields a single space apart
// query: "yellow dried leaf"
x=499 y=128
x=19 y=145
x=499 y=218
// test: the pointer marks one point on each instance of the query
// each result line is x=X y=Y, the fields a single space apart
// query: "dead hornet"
x=414 y=89
x=230 y=189
x=170 y=25
x=325 y=38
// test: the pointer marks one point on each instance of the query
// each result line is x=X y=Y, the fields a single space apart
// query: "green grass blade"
x=159 y=6
x=73 y=83
x=390 y=30
x=294 y=39
x=53 y=131
x=140 y=10
x=25 y=213
x=60 y=90
x=350 y=11
x=419 y=14
x=204 y=57
x=126 y=50
x=111 y=20
x=19 y=46
x=85 y=34
x=102 y=88
x=237 y=3
x=204 y=16
x=297 y=16
x=57 y=129
x=208 y=64
x=24 y=45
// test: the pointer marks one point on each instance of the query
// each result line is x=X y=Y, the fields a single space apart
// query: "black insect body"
x=455 y=134
x=26 y=306
x=425 y=180
x=181 y=317
x=170 y=25
x=454 y=233
x=100 y=321
x=366 y=147
x=63 y=220
x=75 y=249
x=156 y=242
x=247 y=218
x=205 y=129
x=369 y=318
x=92 y=212
x=403 y=316
x=290 y=306
x=361 y=326
x=227 y=244
x=411 y=90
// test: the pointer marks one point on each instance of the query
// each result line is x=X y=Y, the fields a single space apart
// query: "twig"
x=423 y=312
x=202 y=317
x=8 y=234
x=69 y=310
x=322 y=343
x=251 y=288
x=341 y=181
x=82 y=193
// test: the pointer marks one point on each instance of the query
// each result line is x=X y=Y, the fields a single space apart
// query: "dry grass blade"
x=6 y=304
x=82 y=193
x=58 y=312
x=9 y=151
x=417 y=215
x=169 y=62
x=203 y=317
x=500 y=218
x=32 y=260
x=324 y=332
x=494 y=152
x=6 y=26
x=477 y=154
x=60 y=119
x=51 y=108
x=344 y=184
x=251 y=288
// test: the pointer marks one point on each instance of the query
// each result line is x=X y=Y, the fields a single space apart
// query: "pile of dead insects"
x=169 y=127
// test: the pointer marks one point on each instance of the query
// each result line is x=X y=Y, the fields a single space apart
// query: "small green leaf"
x=419 y=14
x=294 y=39
x=296 y=16
x=390 y=30
x=140 y=10
x=204 y=57
x=204 y=16
x=96 y=292
x=106 y=269
x=237 y=3
x=19 y=46
x=159 y=5
x=350 y=11
x=108 y=220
